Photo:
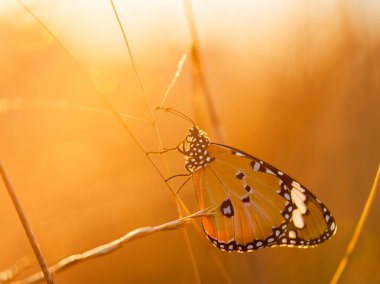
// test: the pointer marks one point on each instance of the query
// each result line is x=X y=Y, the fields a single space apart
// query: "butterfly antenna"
x=176 y=112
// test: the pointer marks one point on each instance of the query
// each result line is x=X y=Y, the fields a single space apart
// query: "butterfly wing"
x=260 y=206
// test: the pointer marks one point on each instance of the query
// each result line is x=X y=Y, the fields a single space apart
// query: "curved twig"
x=116 y=244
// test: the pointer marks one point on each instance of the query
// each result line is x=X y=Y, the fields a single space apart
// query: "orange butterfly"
x=260 y=206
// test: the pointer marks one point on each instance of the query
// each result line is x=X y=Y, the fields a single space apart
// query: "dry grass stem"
x=172 y=83
x=200 y=86
x=19 y=104
x=11 y=272
x=132 y=58
x=179 y=203
x=117 y=244
x=26 y=225
x=358 y=230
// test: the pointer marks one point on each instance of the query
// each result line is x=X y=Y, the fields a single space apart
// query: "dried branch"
x=12 y=271
x=117 y=244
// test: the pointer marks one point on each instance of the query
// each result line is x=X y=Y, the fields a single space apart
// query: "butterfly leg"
x=189 y=175
x=183 y=184
x=179 y=175
x=179 y=147
x=165 y=150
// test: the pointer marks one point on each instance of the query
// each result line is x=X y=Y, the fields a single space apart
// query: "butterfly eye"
x=189 y=138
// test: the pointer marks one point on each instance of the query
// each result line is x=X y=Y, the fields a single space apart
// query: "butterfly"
x=260 y=206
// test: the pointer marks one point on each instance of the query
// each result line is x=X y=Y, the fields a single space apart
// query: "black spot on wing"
x=240 y=175
x=246 y=199
x=227 y=208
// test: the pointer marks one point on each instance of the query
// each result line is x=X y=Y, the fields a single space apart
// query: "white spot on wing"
x=298 y=186
x=292 y=234
x=301 y=195
x=227 y=210
x=298 y=200
x=256 y=166
x=239 y=154
x=332 y=227
x=298 y=220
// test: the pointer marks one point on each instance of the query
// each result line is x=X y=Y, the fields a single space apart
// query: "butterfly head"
x=197 y=155
x=195 y=133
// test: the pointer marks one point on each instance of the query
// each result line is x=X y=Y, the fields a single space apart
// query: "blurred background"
x=295 y=83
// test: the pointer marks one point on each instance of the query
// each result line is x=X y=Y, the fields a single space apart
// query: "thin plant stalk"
x=358 y=230
x=176 y=199
x=200 y=85
x=201 y=89
x=117 y=244
x=25 y=223
x=172 y=83
x=15 y=269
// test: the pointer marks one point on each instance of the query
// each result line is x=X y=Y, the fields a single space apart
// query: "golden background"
x=295 y=83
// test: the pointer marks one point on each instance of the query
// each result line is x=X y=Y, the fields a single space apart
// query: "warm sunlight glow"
x=295 y=83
